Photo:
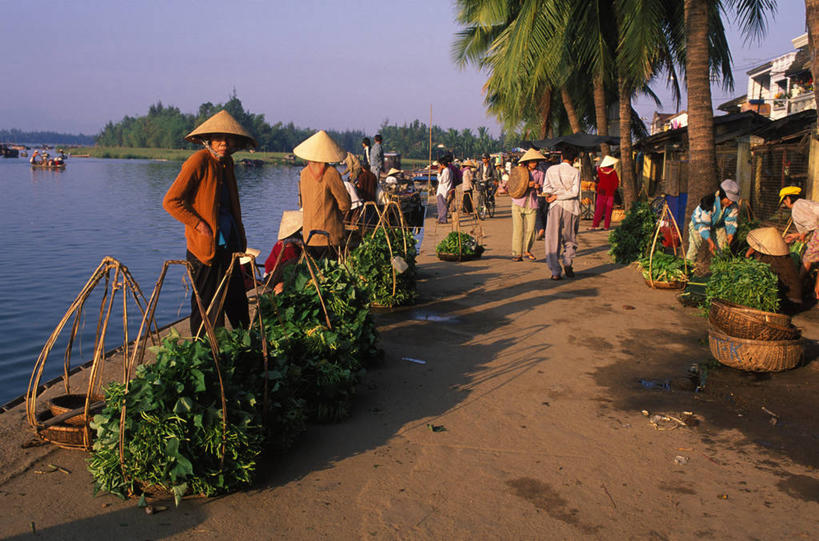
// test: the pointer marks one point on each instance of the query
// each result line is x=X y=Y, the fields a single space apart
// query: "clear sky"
x=73 y=66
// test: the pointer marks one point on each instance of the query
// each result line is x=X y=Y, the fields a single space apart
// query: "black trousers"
x=542 y=214
x=207 y=280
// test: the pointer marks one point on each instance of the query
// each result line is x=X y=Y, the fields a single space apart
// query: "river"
x=58 y=226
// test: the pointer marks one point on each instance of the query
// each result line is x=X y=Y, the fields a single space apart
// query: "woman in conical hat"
x=322 y=193
x=767 y=245
x=524 y=208
x=205 y=198
x=607 y=184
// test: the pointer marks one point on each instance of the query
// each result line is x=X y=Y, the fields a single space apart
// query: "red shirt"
x=607 y=180
x=291 y=251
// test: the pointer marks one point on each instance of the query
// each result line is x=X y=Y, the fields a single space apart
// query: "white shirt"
x=354 y=199
x=563 y=180
x=444 y=182
x=805 y=215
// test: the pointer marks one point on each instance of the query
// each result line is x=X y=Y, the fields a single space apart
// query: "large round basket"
x=444 y=256
x=655 y=284
x=518 y=181
x=67 y=402
x=755 y=355
x=749 y=323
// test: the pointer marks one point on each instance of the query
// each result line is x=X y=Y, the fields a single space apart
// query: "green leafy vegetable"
x=633 y=238
x=747 y=282
x=372 y=260
x=664 y=267
x=468 y=245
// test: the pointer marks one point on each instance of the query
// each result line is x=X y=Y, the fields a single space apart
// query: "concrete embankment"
x=533 y=390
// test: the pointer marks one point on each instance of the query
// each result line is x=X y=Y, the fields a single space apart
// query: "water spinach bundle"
x=373 y=261
x=329 y=359
x=664 y=267
x=173 y=425
x=633 y=238
x=747 y=282
x=468 y=245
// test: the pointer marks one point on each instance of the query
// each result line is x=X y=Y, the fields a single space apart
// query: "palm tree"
x=702 y=23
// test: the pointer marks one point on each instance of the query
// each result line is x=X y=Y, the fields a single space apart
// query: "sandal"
x=517 y=258
x=555 y=277
x=530 y=256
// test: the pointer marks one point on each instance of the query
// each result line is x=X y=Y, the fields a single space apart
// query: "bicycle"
x=486 y=201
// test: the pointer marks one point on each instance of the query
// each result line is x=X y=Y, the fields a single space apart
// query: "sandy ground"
x=536 y=387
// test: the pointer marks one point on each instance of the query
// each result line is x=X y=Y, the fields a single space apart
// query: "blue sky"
x=73 y=66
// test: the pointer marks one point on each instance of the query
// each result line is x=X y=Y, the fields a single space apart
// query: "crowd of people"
x=205 y=198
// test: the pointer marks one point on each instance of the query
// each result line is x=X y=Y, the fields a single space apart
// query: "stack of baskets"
x=753 y=340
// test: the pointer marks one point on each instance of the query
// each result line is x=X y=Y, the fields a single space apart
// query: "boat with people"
x=44 y=161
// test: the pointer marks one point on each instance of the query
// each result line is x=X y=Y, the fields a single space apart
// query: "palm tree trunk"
x=545 y=112
x=812 y=20
x=702 y=155
x=626 y=163
x=574 y=121
x=600 y=112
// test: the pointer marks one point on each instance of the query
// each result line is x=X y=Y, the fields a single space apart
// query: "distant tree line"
x=32 y=137
x=166 y=127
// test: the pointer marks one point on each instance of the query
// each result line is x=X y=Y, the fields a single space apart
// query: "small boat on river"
x=48 y=165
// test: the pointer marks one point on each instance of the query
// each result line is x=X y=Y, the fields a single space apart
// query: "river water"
x=58 y=225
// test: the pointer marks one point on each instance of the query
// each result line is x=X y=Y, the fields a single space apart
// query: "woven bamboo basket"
x=755 y=355
x=675 y=284
x=67 y=402
x=445 y=256
x=618 y=215
x=63 y=435
x=748 y=323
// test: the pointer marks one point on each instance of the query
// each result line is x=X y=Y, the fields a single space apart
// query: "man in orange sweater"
x=205 y=198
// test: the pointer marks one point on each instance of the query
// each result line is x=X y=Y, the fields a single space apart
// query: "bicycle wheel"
x=490 y=207
x=481 y=206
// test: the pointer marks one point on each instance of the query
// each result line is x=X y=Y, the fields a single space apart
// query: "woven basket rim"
x=748 y=309
x=722 y=334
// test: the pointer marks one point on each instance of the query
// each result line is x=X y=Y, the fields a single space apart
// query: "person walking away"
x=562 y=191
x=715 y=216
x=365 y=156
x=377 y=158
x=607 y=184
x=468 y=175
x=805 y=215
x=525 y=208
x=205 y=198
x=323 y=196
x=445 y=186
x=766 y=245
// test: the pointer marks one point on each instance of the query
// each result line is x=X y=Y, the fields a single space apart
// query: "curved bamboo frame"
x=666 y=212
x=122 y=280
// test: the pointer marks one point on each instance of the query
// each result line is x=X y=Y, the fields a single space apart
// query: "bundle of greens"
x=747 y=282
x=329 y=361
x=744 y=226
x=664 y=267
x=633 y=238
x=468 y=245
x=372 y=260
x=173 y=425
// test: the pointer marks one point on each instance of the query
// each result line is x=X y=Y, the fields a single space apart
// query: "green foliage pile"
x=747 y=282
x=741 y=236
x=664 y=267
x=328 y=362
x=372 y=260
x=468 y=245
x=173 y=422
x=633 y=238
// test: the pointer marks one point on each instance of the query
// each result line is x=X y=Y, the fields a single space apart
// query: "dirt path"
x=534 y=389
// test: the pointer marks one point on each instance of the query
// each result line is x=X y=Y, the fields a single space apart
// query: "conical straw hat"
x=530 y=155
x=221 y=122
x=292 y=221
x=608 y=161
x=767 y=240
x=320 y=147
x=393 y=171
